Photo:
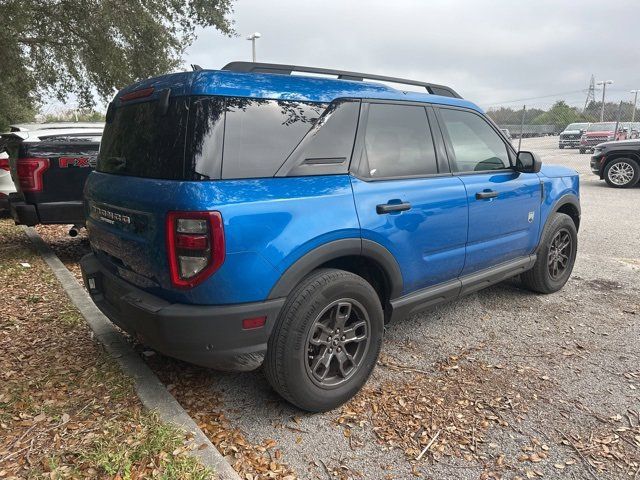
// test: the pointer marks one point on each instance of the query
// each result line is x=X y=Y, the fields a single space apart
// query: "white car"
x=33 y=132
x=6 y=184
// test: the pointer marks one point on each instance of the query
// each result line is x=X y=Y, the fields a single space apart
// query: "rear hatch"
x=139 y=178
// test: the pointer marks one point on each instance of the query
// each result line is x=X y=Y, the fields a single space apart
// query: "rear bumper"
x=4 y=202
x=211 y=336
x=29 y=214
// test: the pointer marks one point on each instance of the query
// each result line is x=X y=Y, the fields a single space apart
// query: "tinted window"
x=398 y=142
x=260 y=134
x=326 y=149
x=141 y=142
x=206 y=134
x=476 y=146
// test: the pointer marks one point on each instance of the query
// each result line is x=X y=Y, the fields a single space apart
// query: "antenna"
x=591 y=93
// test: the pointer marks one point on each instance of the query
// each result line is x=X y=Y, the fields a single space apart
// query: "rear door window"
x=398 y=142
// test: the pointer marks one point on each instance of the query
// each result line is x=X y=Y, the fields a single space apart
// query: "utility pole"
x=635 y=103
x=604 y=84
x=253 y=38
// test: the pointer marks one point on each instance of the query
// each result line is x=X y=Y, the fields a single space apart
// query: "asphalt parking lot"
x=500 y=384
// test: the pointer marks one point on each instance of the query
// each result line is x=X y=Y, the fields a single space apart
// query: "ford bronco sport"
x=249 y=216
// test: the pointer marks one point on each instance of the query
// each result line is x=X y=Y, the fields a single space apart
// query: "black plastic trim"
x=430 y=296
x=567 y=198
x=336 y=249
x=208 y=335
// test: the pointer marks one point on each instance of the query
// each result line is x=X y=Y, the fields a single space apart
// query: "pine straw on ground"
x=66 y=409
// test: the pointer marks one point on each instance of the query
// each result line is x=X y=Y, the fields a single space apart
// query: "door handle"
x=486 y=194
x=392 y=207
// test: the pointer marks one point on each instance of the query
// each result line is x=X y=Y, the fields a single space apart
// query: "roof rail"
x=254 y=67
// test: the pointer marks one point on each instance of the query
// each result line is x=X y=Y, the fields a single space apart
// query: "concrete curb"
x=151 y=391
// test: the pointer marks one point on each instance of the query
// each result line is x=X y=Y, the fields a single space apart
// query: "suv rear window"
x=213 y=137
x=138 y=141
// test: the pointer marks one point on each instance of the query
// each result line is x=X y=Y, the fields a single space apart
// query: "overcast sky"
x=490 y=51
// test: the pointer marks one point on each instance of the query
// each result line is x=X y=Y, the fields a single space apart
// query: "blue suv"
x=255 y=216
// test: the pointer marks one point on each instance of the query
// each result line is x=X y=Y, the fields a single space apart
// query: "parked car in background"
x=601 y=132
x=49 y=168
x=617 y=163
x=570 y=136
x=248 y=215
x=6 y=183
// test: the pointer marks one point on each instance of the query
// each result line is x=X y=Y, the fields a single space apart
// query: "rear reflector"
x=4 y=164
x=251 y=323
x=142 y=93
x=30 y=172
x=195 y=246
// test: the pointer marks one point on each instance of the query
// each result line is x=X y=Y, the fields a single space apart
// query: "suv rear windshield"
x=211 y=137
x=141 y=142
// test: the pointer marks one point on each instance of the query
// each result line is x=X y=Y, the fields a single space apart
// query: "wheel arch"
x=569 y=204
x=363 y=257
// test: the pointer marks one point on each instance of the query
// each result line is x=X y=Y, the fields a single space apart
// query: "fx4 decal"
x=82 y=162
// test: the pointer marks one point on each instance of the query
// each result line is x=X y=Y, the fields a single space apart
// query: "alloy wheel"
x=559 y=254
x=337 y=343
x=620 y=173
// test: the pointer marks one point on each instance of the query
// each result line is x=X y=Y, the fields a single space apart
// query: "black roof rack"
x=254 y=67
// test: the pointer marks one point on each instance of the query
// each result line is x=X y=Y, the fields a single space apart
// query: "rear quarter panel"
x=268 y=225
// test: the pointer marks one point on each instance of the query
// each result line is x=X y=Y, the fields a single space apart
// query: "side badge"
x=531 y=216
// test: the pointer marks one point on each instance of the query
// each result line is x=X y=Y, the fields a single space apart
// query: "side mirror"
x=528 y=162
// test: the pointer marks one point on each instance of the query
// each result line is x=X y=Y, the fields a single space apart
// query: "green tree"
x=89 y=47
x=560 y=114
x=75 y=116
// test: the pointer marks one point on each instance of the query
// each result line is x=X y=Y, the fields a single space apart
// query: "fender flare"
x=336 y=249
x=566 y=199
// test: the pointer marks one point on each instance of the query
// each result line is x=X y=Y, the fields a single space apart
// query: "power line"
x=535 y=98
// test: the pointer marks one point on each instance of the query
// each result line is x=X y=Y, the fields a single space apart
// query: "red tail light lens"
x=142 y=93
x=195 y=245
x=4 y=164
x=30 y=172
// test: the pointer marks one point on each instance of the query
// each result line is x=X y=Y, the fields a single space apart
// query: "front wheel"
x=622 y=173
x=582 y=151
x=556 y=256
x=326 y=341
x=561 y=147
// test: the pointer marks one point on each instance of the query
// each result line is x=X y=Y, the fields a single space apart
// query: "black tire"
x=541 y=278
x=622 y=173
x=582 y=150
x=290 y=352
x=561 y=147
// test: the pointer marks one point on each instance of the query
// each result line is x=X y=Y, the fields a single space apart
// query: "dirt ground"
x=500 y=384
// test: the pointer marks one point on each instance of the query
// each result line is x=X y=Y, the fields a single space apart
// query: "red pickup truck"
x=599 y=133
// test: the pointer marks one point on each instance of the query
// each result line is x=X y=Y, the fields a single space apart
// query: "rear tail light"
x=4 y=164
x=30 y=172
x=195 y=245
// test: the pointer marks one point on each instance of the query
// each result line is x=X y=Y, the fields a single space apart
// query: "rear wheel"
x=326 y=341
x=622 y=173
x=556 y=256
x=561 y=147
x=582 y=150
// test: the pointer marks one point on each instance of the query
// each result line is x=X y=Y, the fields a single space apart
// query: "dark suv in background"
x=570 y=136
x=617 y=163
